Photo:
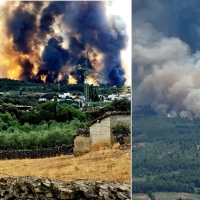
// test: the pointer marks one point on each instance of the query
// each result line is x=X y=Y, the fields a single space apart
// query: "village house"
x=64 y=95
x=22 y=107
x=42 y=99
x=112 y=97
x=77 y=99
x=99 y=135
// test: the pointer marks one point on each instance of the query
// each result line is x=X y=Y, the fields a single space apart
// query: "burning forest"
x=45 y=41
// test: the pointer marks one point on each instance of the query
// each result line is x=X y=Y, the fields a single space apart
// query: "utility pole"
x=86 y=70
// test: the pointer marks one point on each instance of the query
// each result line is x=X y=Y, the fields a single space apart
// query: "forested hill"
x=22 y=87
x=166 y=154
x=9 y=84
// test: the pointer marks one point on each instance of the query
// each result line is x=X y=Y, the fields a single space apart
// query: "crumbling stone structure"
x=43 y=188
x=100 y=132
x=82 y=142
x=100 y=135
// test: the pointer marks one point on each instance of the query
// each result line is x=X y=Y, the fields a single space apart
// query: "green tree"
x=120 y=130
x=122 y=104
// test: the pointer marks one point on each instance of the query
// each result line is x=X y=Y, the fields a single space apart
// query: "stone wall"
x=100 y=133
x=37 y=153
x=82 y=144
x=42 y=188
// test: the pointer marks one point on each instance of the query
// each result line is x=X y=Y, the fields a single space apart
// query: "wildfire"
x=59 y=77
x=43 y=78
x=72 y=80
x=33 y=48
x=96 y=59
x=92 y=81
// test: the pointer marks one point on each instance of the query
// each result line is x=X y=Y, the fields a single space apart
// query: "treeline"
x=183 y=181
x=44 y=135
x=116 y=105
x=47 y=111
x=154 y=165
x=161 y=186
x=47 y=125
x=20 y=100
x=51 y=110
x=22 y=87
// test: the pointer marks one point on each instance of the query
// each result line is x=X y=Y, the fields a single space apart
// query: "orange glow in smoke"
x=96 y=59
x=43 y=78
x=59 y=77
x=72 y=80
x=92 y=81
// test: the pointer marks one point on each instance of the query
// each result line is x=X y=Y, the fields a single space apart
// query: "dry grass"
x=111 y=165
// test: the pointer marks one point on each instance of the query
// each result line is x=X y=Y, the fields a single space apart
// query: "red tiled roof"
x=107 y=114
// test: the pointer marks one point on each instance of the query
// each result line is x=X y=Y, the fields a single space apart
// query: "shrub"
x=120 y=130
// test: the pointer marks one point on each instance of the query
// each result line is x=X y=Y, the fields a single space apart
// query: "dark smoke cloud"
x=48 y=16
x=54 y=57
x=27 y=74
x=83 y=26
x=166 y=44
x=22 y=26
x=88 y=20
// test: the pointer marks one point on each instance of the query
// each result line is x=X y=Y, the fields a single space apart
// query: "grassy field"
x=175 y=196
x=140 y=197
x=111 y=165
x=167 y=196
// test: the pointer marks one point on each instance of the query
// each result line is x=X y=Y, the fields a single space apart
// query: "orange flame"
x=92 y=81
x=72 y=80
x=43 y=78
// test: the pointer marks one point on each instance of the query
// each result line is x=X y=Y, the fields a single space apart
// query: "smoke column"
x=166 y=56
x=49 y=39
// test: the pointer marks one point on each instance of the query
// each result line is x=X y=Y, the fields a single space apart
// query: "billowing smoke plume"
x=166 y=56
x=51 y=38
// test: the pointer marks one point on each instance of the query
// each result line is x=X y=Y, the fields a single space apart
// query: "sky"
x=29 y=60
x=166 y=56
x=125 y=11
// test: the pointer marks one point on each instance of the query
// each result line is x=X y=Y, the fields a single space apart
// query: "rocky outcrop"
x=22 y=188
x=37 y=153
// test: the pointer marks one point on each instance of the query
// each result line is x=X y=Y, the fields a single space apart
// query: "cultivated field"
x=111 y=165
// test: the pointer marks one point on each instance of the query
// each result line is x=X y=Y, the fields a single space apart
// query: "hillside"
x=110 y=165
x=165 y=154
x=16 y=87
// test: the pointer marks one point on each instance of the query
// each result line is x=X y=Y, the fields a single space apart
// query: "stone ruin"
x=39 y=188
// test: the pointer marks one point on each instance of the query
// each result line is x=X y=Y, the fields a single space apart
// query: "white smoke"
x=165 y=73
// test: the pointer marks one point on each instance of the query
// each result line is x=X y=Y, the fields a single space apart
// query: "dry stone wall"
x=37 y=153
x=39 y=188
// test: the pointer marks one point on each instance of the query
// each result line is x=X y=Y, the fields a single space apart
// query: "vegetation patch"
x=169 y=161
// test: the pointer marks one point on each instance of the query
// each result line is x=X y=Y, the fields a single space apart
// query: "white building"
x=42 y=99
x=64 y=95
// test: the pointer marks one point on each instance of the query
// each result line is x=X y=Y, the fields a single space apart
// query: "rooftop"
x=107 y=114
